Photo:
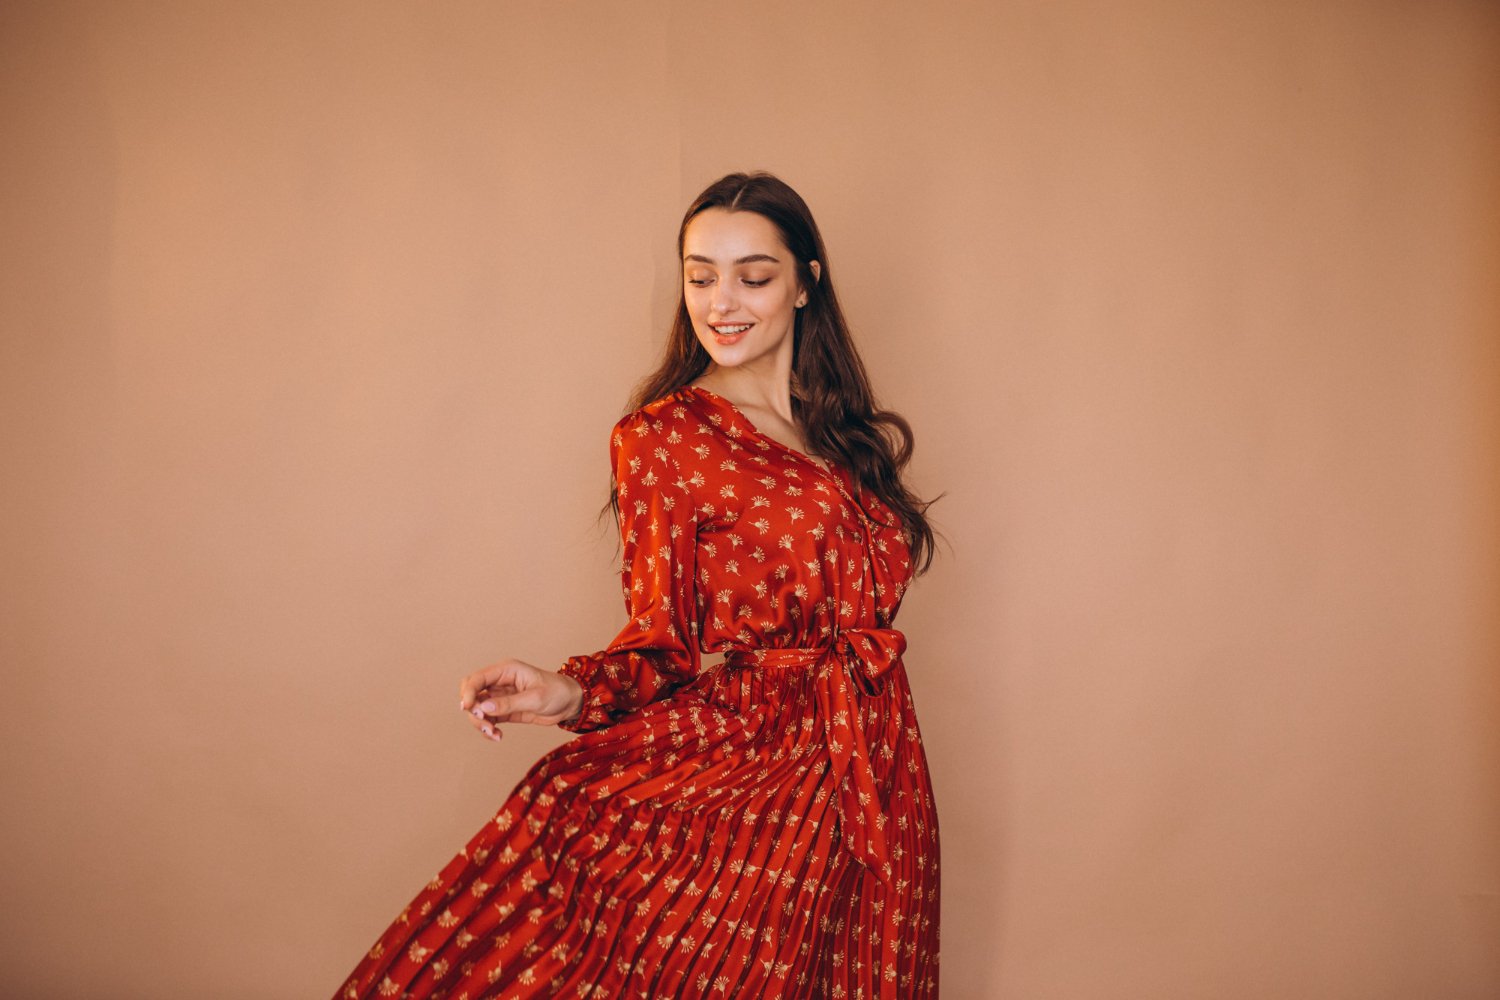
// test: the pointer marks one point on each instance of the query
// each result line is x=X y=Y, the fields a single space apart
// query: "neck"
x=763 y=384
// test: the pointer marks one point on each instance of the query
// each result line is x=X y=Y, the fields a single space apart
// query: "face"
x=740 y=285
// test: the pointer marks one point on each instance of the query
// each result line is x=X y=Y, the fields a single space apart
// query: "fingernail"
x=489 y=707
x=476 y=712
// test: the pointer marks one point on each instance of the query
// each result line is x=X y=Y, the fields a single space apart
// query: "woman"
x=759 y=828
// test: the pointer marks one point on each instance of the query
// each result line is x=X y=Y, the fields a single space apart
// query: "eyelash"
x=703 y=282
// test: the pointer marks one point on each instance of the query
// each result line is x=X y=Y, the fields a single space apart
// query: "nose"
x=723 y=301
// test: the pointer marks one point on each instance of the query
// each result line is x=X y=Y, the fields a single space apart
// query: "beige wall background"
x=315 y=318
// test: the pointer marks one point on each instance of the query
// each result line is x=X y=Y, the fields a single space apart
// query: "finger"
x=496 y=706
x=486 y=728
x=494 y=675
x=470 y=687
x=516 y=706
x=485 y=700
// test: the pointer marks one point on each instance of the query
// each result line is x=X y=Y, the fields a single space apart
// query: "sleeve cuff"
x=592 y=714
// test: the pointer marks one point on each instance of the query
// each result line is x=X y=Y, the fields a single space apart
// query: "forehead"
x=723 y=236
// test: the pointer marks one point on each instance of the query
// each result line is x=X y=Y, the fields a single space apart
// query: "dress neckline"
x=827 y=470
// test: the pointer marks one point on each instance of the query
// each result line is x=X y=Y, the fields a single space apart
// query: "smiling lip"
x=728 y=333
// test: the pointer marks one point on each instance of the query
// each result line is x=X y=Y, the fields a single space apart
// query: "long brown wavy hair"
x=831 y=396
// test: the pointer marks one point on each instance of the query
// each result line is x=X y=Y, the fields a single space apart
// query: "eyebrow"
x=752 y=258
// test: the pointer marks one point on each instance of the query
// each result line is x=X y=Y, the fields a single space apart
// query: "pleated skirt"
x=692 y=849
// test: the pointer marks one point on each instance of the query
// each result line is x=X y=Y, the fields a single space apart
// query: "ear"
x=817 y=272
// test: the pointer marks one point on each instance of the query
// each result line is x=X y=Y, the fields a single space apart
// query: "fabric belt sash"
x=866 y=653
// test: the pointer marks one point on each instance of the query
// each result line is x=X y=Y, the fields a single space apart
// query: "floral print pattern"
x=758 y=827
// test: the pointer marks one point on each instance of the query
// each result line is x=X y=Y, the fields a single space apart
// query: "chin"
x=724 y=360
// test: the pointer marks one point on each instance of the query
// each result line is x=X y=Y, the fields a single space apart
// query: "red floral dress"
x=760 y=827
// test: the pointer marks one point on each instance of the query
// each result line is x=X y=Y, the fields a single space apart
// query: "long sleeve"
x=658 y=647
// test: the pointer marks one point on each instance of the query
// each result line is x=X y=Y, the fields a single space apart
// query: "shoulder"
x=666 y=422
x=666 y=433
x=652 y=449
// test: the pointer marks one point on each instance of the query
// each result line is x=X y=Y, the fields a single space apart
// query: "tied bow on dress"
x=855 y=656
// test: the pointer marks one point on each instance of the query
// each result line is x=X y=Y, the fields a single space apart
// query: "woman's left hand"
x=515 y=691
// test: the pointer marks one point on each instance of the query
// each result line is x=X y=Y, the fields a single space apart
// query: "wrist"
x=575 y=700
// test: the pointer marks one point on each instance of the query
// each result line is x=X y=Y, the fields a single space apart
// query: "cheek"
x=697 y=311
x=779 y=303
x=697 y=301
